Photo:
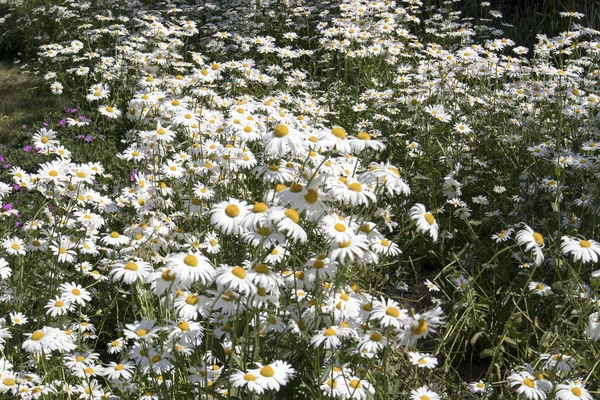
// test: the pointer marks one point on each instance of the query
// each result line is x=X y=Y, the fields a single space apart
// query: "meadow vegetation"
x=291 y=199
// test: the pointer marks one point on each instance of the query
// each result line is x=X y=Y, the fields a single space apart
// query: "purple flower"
x=16 y=187
x=133 y=175
x=23 y=126
x=6 y=166
x=2 y=158
x=89 y=139
x=46 y=124
x=7 y=207
x=27 y=149
x=62 y=122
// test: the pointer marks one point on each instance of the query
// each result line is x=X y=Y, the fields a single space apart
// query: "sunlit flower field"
x=292 y=199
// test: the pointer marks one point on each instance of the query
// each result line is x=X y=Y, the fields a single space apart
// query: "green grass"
x=24 y=99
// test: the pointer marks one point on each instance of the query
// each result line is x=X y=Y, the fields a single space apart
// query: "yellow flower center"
x=9 y=381
x=319 y=264
x=44 y=139
x=239 y=272
x=528 y=382
x=59 y=303
x=392 y=312
x=576 y=391
x=420 y=328
x=363 y=136
x=267 y=371
x=585 y=244
x=166 y=275
x=312 y=196
x=184 y=326
x=259 y=207
x=192 y=299
x=355 y=187
x=119 y=367
x=339 y=132
x=53 y=173
x=296 y=187
x=131 y=266
x=37 y=335
x=376 y=337
x=249 y=377
x=429 y=218
x=281 y=131
x=424 y=397
x=141 y=332
x=110 y=109
x=115 y=235
x=232 y=211
x=76 y=292
x=292 y=214
x=539 y=239
x=345 y=244
x=329 y=332
x=262 y=269
x=340 y=227
x=190 y=260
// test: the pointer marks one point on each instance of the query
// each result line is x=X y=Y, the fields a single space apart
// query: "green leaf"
x=487 y=353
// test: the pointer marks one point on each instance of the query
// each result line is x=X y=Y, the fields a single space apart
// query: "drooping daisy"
x=532 y=241
x=425 y=220
x=572 y=390
x=248 y=380
x=581 y=249
x=526 y=385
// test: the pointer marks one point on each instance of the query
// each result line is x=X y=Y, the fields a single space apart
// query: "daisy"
x=356 y=248
x=593 y=328
x=109 y=111
x=388 y=313
x=572 y=390
x=532 y=241
x=5 y=270
x=423 y=393
x=539 y=288
x=356 y=388
x=58 y=306
x=45 y=339
x=116 y=346
x=115 y=239
x=235 y=278
x=17 y=318
x=281 y=140
x=14 y=246
x=191 y=267
x=287 y=222
x=131 y=271
x=74 y=293
x=351 y=191
x=189 y=305
x=119 y=370
x=581 y=249
x=274 y=375
x=422 y=360
x=426 y=222
x=248 y=380
x=526 y=385
x=478 y=387
x=140 y=330
x=330 y=337
x=371 y=343
x=227 y=216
